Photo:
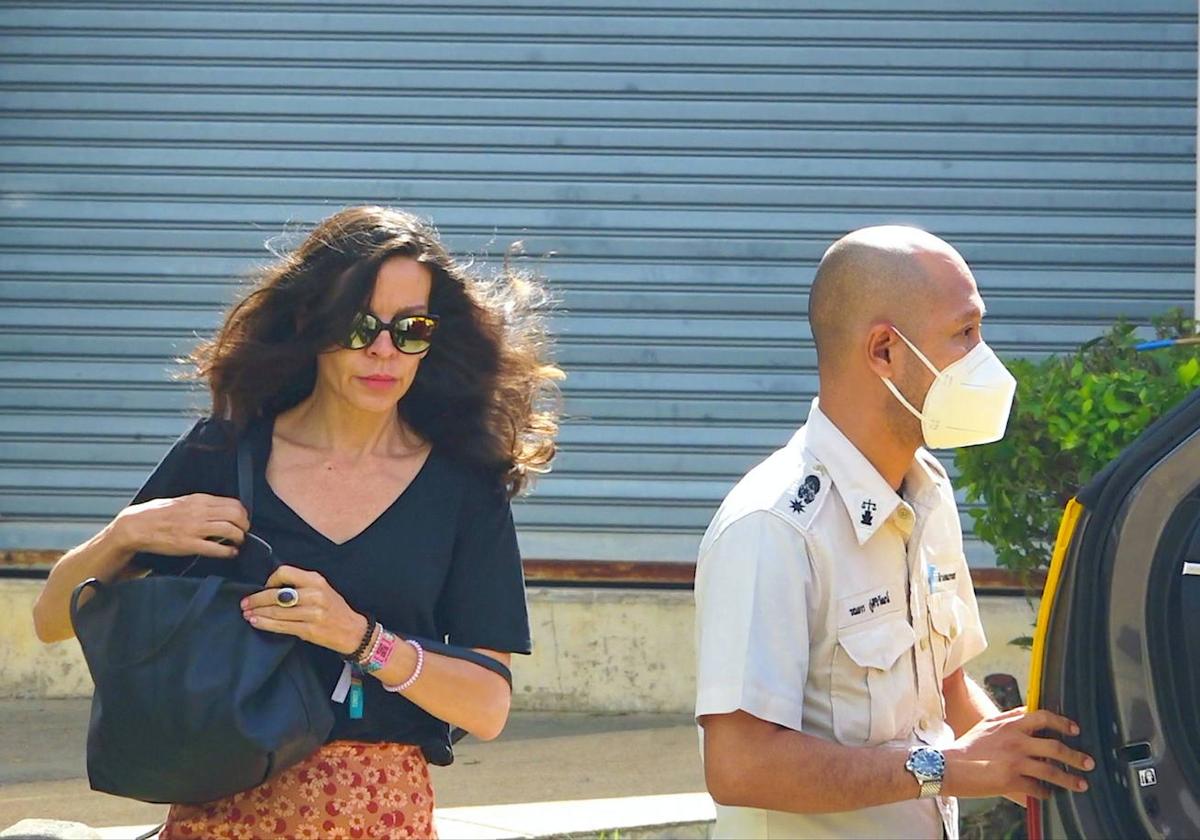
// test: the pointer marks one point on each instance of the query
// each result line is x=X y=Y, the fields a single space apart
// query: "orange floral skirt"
x=345 y=789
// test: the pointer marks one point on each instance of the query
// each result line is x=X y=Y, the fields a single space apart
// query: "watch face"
x=928 y=763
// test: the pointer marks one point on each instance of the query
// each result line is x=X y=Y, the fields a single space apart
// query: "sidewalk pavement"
x=541 y=757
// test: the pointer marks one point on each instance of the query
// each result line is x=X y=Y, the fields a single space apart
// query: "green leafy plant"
x=1072 y=415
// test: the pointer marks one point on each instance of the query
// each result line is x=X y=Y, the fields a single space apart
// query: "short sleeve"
x=482 y=604
x=174 y=475
x=200 y=461
x=753 y=583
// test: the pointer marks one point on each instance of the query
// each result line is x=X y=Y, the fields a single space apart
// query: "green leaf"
x=1189 y=372
x=1115 y=404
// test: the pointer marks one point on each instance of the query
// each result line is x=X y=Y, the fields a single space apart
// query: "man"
x=834 y=608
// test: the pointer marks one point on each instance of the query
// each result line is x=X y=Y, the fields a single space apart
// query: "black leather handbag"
x=192 y=703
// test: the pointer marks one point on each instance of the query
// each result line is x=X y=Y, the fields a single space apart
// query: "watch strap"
x=930 y=786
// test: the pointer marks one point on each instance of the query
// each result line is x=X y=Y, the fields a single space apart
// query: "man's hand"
x=1004 y=756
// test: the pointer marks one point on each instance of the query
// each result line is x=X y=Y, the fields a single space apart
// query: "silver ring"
x=287 y=596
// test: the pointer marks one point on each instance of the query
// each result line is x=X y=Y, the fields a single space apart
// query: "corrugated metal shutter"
x=686 y=162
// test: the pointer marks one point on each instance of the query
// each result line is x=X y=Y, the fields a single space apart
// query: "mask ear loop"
x=896 y=391
x=918 y=353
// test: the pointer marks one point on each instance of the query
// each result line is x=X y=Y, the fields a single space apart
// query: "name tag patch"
x=942 y=581
x=864 y=606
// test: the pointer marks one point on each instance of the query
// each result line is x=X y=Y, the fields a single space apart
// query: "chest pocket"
x=873 y=691
x=947 y=615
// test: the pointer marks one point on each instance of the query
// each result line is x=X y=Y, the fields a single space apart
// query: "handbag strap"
x=152 y=833
x=245 y=491
x=466 y=654
x=90 y=583
x=245 y=475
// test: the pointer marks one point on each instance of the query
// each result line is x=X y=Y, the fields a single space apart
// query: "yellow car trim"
x=1066 y=530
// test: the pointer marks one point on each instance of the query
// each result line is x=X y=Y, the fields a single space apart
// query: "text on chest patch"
x=875 y=602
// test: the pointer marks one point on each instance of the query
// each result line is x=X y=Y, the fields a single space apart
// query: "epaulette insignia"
x=806 y=493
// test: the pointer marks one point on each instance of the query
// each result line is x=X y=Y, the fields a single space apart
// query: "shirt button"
x=905 y=514
x=924 y=723
x=924 y=644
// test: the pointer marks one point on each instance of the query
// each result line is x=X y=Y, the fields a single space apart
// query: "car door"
x=1117 y=645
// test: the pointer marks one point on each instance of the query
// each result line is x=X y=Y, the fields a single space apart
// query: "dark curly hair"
x=485 y=394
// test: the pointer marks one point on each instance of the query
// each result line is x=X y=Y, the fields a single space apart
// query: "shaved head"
x=887 y=273
x=885 y=299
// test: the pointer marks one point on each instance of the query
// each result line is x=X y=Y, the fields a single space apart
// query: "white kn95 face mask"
x=969 y=401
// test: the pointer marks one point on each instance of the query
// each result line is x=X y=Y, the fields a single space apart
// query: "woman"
x=392 y=400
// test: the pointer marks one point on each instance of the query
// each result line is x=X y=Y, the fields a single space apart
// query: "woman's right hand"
x=176 y=527
x=211 y=526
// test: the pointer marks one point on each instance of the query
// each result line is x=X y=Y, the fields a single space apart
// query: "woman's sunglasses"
x=411 y=334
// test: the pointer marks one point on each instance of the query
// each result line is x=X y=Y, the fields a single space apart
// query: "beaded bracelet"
x=354 y=657
x=408 y=683
x=365 y=656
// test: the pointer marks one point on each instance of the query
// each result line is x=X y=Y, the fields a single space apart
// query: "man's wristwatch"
x=928 y=765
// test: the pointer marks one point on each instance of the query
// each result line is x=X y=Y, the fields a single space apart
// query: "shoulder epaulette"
x=805 y=495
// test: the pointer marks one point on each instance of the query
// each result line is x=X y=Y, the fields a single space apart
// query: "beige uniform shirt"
x=829 y=604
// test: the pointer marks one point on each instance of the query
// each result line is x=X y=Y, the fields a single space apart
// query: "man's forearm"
x=760 y=765
x=967 y=702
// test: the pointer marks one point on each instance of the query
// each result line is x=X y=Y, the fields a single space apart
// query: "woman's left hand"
x=320 y=615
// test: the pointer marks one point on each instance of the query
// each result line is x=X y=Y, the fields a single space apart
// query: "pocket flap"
x=877 y=645
x=944 y=610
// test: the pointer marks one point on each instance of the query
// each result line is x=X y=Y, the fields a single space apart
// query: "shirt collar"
x=869 y=500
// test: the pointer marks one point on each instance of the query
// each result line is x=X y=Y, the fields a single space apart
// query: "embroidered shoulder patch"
x=803 y=498
x=806 y=493
x=808 y=485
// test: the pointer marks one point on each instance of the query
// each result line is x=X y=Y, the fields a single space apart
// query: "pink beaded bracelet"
x=408 y=683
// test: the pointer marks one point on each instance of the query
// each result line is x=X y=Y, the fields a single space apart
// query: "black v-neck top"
x=441 y=562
